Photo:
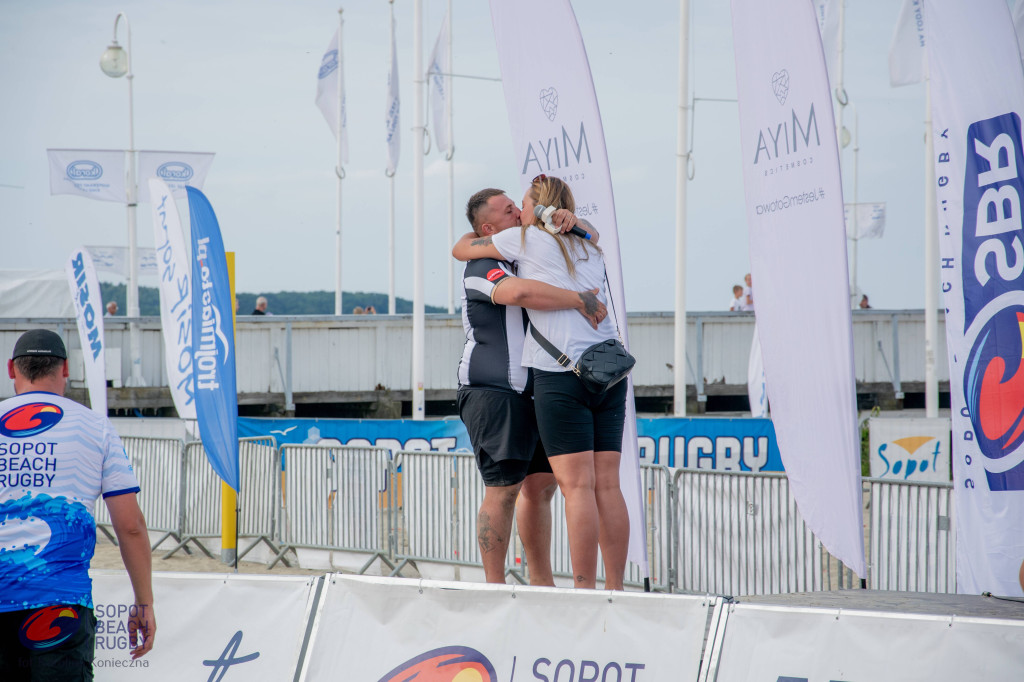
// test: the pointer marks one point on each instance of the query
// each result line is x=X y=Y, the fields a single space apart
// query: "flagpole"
x=856 y=226
x=931 y=258
x=451 y=171
x=340 y=172
x=391 y=178
x=682 y=157
x=419 y=130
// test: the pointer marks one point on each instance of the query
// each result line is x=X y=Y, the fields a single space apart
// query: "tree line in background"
x=278 y=303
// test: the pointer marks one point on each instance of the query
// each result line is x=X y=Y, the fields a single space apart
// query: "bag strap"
x=552 y=350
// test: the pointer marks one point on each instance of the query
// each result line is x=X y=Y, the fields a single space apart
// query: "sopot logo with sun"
x=447 y=664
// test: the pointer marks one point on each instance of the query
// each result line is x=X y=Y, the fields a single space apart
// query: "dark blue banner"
x=213 y=341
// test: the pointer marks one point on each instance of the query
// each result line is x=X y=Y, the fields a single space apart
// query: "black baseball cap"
x=39 y=343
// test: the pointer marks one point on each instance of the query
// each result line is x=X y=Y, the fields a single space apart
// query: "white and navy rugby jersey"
x=493 y=356
x=56 y=458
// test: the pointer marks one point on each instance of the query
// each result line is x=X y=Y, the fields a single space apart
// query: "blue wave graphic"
x=57 y=572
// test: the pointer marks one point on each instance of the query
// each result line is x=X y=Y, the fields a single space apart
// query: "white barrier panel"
x=207 y=625
x=390 y=629
x=817 y=645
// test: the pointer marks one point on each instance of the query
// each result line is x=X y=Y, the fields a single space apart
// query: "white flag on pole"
x=906 y=52
x=827 y=12
x=175 y=298
x=177 y=169
x=864 y=221
x=93 y=173
x=979 y=164
x=331 y=82
x=795 y=221
x=549 y=96
x=756 y=389
x=114 y=259
x=85 y=292
x=439 y=73
x=391 y=111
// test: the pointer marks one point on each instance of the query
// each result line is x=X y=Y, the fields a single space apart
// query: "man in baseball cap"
x=39 y=343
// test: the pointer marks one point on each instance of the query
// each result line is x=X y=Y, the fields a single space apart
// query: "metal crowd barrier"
x=200 y=501
x=337 y=498
x=157 y=463
x=259 y=464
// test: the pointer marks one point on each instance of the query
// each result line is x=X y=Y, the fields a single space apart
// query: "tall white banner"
x=114 y=259
x=978 y=102
x=827 y=12
x=1018 y=25
x=798 y=261
x=439 y=73
x=93 y=173
x=556 y=130
x=177 y=169
x=85 y=292
x=393 y=108
x=330 y=91
x=907 y=52
x=175 y=298
x=757 y=392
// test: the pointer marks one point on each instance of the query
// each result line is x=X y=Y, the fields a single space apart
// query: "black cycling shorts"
x=572 y=419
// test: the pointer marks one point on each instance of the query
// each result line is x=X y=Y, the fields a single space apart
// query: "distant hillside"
x=279 y=303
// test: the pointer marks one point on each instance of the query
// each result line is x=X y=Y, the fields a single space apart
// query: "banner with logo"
x=906 y=51
x=175 y=298
x=978 y=102
x=439 y=73
x=786 y=644
x=213 y=341
x=392 y=108
x=395 y=630
x=557 y=130
x=209 y=626
x=177 y=169
x=794 y=204
x=93 y=173
x=88 y=300
x=330 y=93
x=864 y=221
x=909 y=449
x=114 y=259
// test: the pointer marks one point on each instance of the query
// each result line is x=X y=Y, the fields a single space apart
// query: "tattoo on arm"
x=482 y=241
x=590 y=303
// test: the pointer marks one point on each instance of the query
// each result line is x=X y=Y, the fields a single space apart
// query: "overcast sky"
x=239 y=79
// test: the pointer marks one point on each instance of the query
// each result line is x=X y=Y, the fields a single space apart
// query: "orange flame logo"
x=447 y=664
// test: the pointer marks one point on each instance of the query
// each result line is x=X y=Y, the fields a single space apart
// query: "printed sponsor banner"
x=178 y=169
x=114 y=259
x=392 y=108
x=440 y=80
x=977 y=108
x=86 y=295
x=92 y=173
x=209 y=626
x=556 y=130
x=697 y=443
x=907 y=50
x=330 y=82
x=460 y=631
x=175 y=298
x=915 y=450
x=794 y=204
x=213 y=341
x=814 y=645
x=864 y=221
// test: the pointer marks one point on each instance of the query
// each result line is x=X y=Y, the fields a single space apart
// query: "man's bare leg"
x=533 y=515
x=494 y=527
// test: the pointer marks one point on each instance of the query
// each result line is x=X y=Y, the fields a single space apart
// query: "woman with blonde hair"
x=581 y=431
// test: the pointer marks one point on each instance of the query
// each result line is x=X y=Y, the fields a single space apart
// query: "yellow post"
x=228 y=497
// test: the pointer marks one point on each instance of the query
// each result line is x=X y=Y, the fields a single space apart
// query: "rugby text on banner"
x=331 y=81
x=392 y=109
x=439 y=73
x=556 y=130
x=213 y=342
x=92 y=173
x=177 y=169
x=906 y=51
x=175 y=298
x=85 y=292
x=798 y=262
x=979 y=167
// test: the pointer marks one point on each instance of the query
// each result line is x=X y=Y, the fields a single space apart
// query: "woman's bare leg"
x=613 y=516
x=576 y=479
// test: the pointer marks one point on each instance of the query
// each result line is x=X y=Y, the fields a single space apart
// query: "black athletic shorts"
x=47 y=644
x=503 y=431
x=572 y=419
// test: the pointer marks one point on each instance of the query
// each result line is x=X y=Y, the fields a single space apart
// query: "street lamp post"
x=117 y=62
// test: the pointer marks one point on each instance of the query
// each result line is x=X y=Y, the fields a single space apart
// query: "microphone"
x=544 y=213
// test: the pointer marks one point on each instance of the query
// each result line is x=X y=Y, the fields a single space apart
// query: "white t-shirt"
x=542 y=259
x=747 y=291
x=736 y=304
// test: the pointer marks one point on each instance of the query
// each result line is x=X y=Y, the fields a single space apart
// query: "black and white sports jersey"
x=493 y=356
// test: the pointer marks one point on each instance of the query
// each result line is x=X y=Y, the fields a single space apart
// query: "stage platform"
x=962 y=605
